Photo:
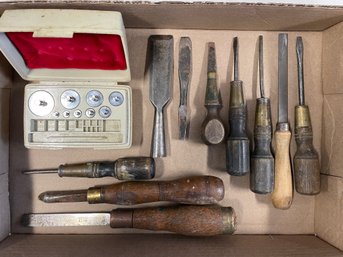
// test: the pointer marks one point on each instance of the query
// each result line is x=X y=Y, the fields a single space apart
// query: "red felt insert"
x=83 y=51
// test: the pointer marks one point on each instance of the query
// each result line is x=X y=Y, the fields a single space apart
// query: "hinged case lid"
x=65 y=45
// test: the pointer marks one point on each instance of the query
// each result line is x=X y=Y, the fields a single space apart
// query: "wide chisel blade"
x=283 y=78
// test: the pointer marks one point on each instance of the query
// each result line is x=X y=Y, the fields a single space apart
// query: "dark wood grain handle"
x=190 y=190
x=187 y=220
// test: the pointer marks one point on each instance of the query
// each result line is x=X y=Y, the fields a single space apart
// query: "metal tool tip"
x=25 y=220
x=299 y=44
x=235 y=42
x=211 y=44
x=43 y=197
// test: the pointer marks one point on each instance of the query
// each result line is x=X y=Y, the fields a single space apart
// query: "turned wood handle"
x=187 y=220
x=191 y=190
x=283 y=187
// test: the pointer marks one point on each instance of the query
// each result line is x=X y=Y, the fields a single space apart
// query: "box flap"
x=73 y=45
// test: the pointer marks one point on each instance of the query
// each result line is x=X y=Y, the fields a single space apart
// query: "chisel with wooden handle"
x=190 y=190
x=191 y=220
x=306 y=161
x=282 y=195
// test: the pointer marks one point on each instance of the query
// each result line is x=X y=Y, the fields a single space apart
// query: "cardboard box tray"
x=322 y=31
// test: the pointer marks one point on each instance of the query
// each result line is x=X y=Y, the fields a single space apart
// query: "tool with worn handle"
x=262 y=160
x=283 y=189
x=161 y=75
x=306 y=161
x=185 y=72
x=129 y=168
x=192 y=220
x=237 y=145
x=212 y=128
x=191 y=190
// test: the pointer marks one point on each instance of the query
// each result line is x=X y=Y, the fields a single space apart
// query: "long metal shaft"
x=300 y=53
x=40 y=171
x=235 y=58
x=260 y=65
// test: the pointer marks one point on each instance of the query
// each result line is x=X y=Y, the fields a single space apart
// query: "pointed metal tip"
x=299 y=45
x=42 y=171
x=43 y=197
x=25 y=220
x=211 y=44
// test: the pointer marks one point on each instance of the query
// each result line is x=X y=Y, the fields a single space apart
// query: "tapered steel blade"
x=65 y=219
x=283 y=78
x=300 y=53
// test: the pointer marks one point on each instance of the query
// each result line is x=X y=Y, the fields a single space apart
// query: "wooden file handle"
x=283 y=187
x=186 y=220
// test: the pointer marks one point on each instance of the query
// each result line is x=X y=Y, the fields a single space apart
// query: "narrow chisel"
x=185 y=72
x=191 y=220
x=283 y=190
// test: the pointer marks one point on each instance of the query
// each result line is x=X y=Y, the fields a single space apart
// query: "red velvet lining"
x=83 y=51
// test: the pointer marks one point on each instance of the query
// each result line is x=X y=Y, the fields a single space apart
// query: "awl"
x=237 y=144
x=190 y=190
x=283 y=190
x=212 y=128
x=306 y=162
x=185 y=72
x=129 y=168
x=262 y=159
x=192 y=220
x=161 y=75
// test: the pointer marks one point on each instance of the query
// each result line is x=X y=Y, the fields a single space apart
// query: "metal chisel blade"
x=65 y=219
x=283 y=78
x=161 y=69
x=185 y=72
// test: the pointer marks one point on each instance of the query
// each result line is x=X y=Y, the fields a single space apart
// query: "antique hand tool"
x=212 y=128
x=191 y=190
x=237 y=145
x=161 y=75
x=283 y=190
x=262 y=160
x=193 y=220
x=306 y=162
x=185 y=72
x=129 y=168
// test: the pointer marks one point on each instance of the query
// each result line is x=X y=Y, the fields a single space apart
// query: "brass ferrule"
x=302 y=117
x=236 y=94
x=229 y=220
x=263 y=113
x=212 y=75
x=94 y=195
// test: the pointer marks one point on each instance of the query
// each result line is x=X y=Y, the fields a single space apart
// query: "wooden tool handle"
x=186 y=220
x=283 y=190
x=191 y=190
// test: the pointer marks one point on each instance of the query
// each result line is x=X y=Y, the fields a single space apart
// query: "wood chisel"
x=212 y=128
x=161 y=75
x=129 y=168
x=283 y=189
x=306 y=161
x=262 y=160
x=185 y=72
x=237 y=145
x=189 y=190
x=192 y=220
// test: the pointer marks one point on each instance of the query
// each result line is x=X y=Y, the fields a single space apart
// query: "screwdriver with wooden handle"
x=262 y=160
x=212 y=128
x=190 y=190
x=282 y=195
x=306 y=161
x=191 y=220
x=237 y=145
x=129 y=168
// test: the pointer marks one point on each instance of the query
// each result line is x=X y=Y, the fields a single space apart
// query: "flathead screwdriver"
x=129 y=168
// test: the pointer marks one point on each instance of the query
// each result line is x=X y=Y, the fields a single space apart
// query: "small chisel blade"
x=283 y=78
x=64 y=196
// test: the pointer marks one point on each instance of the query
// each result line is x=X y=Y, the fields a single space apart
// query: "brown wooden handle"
x=191 y=190
x=283 y=187
x=187 y=220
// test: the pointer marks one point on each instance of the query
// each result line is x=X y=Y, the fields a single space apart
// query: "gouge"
x=306 y=162
x=212 y=128
x=283 y=190
x=262 y=160
x=192 y=220
x=161 y=75
x=129 y=168
x=191 y=190
x=237 y=145
x=185 y=72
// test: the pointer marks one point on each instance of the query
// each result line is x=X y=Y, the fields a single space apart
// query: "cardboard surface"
x=255 y=212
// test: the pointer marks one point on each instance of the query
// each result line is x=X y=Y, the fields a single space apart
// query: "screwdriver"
x=191 y=220
x=212 y=128
x=237 y=146
x=262 y=160
x=129 y=168
x=306 y=162
x=190 y=190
